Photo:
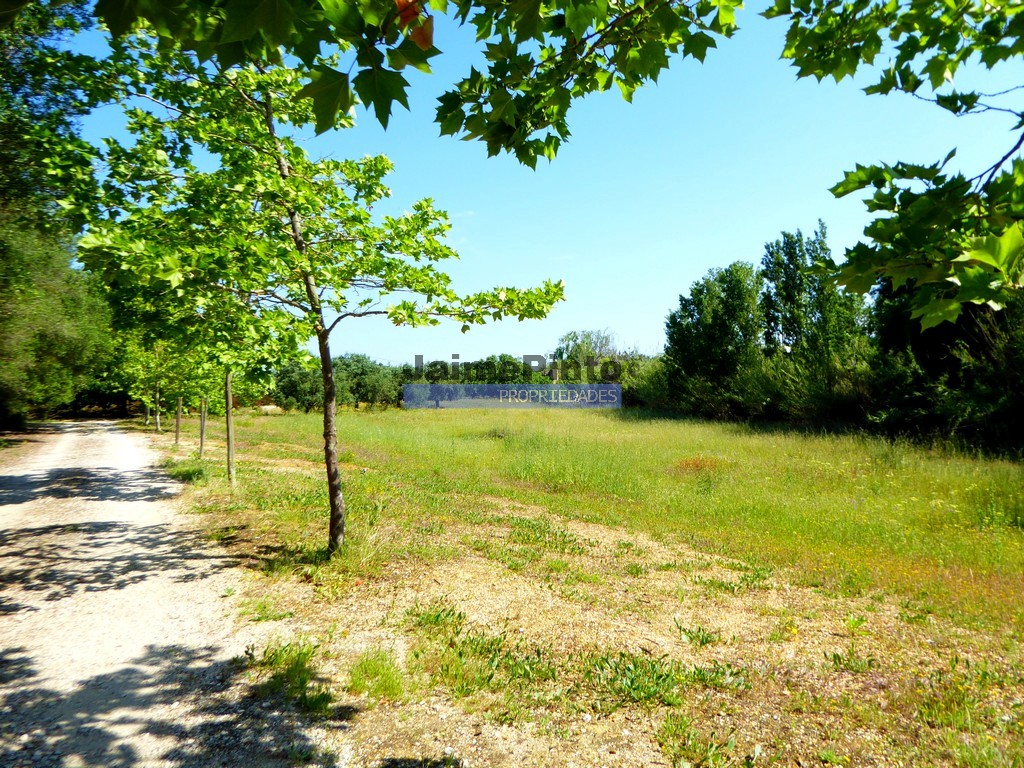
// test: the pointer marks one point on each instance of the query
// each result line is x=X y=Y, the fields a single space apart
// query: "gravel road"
x=116 y=638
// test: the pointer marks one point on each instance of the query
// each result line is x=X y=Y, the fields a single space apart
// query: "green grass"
x=698 y=635
x=917 y=534
x=850 y=660
x=685 y=747
x=263 y=609
x=848 y=514
x=377 y=674
x=286 y=669
x=629 y=678
x=466 y=660
x=186 y=470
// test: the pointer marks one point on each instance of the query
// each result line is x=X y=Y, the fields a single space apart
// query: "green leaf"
x=697 y=45
x=381 y=88
x=245 y=18
x=579 y=16
x=408 y=54
x=1005 y=253
x=858 y=179
x=344 y=15
x=118 y=15
x=527 y=15
x=938 y=311
x=331 y=94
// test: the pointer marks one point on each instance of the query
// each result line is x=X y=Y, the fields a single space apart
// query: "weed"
x=287 y=669
x=225 y=534
x=557 y=566
x=577 y=576
x=784 y=631
x=465 y=661
x=917 y=610
x=720 y=675
x=377 y=674
x=982 y=753
x=755 y=578
x=697 y=635
x=854 y=624
x=751 y=578
x=678 y=740
x=718 y=585
x=440 y=614
x=189 y=471
x=301 y=754
x=465 y=664
x=541 y=534
x=635 y=569
x=850 y=661
x=685 y=747
x=830 y=757
x=263 y=609
x=954 y=698
x=636 y=679
x=526 y=667
x=695 y=465
x=998 y=507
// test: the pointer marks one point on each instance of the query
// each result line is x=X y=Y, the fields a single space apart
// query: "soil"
x=118 y=639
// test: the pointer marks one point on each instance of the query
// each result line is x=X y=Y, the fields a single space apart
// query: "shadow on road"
x=179 y=696
x=58 y=561
x=86 y=484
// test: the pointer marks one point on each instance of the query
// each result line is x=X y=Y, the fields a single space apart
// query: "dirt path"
x=116 y=640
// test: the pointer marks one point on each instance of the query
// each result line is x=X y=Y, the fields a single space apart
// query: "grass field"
x=557 y=570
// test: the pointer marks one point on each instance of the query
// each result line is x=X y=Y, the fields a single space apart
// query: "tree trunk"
x=157 y=409
x=336 y=527
x=147 y=415
x=202 y=426
x=230 y=425
x=177 y=423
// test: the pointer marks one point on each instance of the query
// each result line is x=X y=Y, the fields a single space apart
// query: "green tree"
x=54 y=324
x=958 y=238
x=42 y=95
x=298 y=384
x=290 y=237
x=713 y=348
x=645 y=382
x=814 y=333
x=580 y=355
x=366 y=381
x=964 y=380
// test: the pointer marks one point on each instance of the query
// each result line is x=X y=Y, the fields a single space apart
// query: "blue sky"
x=700 y=170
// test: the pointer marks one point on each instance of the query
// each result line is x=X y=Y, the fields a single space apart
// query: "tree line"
x=779 y=341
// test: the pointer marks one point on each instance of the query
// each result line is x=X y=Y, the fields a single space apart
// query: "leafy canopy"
x=956 y=238
x=269 y=229
x=540 y=54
